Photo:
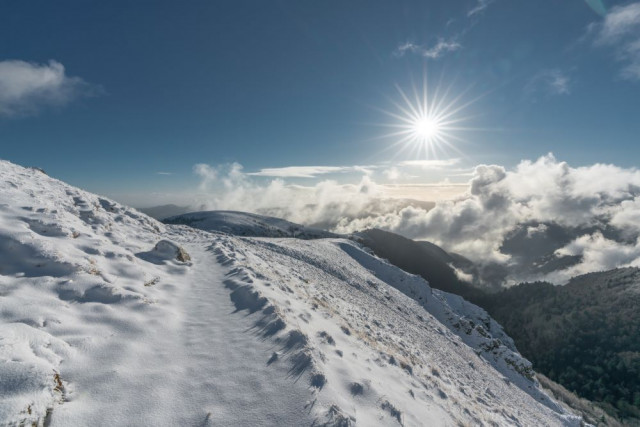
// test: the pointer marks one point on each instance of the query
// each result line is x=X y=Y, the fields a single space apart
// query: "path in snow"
x=235 y=385
x=201 y=365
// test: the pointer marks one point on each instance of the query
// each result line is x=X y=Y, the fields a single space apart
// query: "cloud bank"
x=542 y=220
x=26 y=88
x=324 y=203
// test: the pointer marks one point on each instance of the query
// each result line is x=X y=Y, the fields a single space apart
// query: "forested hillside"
x=584 y=335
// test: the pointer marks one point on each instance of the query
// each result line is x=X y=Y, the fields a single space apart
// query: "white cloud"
x=434 y=192
x=164 y=173
x=432 y=52
x=409 y=170
x=430 y=164
x=479 y=7
x=619 y=22
x=621 y=31
x=302 y=171
x=549 y=82
x=597 y=254
x=393 y=173
x=461 y=275
x=627 y=217
x=559 y=83
x=500 y=202
x=326 y=202
x=207 y=175
x=445 y=45
x=26 y=87
x=538 y=229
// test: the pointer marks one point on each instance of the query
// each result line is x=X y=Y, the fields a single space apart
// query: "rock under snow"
x=166 y=249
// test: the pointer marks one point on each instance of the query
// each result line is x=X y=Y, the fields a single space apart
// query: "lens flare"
x=597 y=6
x=426 y=123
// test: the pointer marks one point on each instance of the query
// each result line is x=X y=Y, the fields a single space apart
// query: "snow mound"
x=104 y=321
x=247 y=224
x=165 y=250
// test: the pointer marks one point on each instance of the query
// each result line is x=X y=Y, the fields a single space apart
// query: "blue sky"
x=107 y=94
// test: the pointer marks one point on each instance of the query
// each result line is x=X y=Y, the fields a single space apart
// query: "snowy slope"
x=247 y=224
x=102 y=325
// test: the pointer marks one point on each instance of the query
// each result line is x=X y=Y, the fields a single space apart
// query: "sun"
x=426 y=122
x=426 y=128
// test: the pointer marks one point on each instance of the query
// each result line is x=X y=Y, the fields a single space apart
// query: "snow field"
x=102 y=325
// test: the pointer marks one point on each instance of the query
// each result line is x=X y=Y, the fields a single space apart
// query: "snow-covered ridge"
x=247 y=224
x=104 y=321
x=410 y=338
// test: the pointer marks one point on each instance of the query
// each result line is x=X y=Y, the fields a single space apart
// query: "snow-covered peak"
x=108 y=317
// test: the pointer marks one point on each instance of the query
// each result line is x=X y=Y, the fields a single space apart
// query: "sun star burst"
x=426 y=123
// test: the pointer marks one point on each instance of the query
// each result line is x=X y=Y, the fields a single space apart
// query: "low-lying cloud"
x=324 y=204
x=26 y=88
x=542 y=219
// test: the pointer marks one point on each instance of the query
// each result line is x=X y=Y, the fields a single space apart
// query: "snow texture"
x=108 y=317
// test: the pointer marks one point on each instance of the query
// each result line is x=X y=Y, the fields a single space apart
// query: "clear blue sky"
x=168 y=84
